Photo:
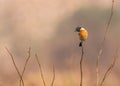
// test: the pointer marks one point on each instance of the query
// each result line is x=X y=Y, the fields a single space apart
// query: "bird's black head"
x=77 y=29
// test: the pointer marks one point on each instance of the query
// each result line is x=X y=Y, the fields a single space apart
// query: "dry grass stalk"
x=41 y=72
x=110 y=68
x=26 y=62
x=101 y=46
x=15 y=65
x=81 y=69
x=53 y=76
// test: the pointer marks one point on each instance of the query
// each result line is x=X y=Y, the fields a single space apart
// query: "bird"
x=83 y=34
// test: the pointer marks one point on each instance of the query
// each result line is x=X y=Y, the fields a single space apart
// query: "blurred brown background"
x=48 y=27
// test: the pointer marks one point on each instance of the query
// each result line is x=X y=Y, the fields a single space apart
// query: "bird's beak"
x=75 y=31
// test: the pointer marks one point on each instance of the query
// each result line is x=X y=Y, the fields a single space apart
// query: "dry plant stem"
x=42 y=76
x=81 y=69
x=101 y=46
x=53 y=76
x=26 y=62
x=15 y=66
x=110 y=68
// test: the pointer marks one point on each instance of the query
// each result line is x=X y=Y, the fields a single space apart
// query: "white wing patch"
x=82 y=28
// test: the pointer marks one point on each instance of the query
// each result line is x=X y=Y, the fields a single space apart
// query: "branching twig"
x=110 y=68
x=15 y=65
x=42 y=76
x=101 y=46
x=53 y=76
x=81 y=69
x=26 y=62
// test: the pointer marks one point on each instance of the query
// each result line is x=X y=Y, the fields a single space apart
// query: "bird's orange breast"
x=83 y=35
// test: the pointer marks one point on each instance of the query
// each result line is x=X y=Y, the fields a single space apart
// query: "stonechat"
x=83 y=34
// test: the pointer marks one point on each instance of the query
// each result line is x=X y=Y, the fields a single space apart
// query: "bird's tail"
x=80 y=45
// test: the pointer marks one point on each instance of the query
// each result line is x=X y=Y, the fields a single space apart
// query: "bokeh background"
x=48 y=27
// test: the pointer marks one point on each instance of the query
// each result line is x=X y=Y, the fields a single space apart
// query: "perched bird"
x=83 y=34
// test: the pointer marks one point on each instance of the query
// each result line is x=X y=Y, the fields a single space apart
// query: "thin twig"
x=81 y=69
x=15 y=65
x=53 y=76
x=101 y=46
x=110 y=68
x=42 y=76
x=26 y=62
